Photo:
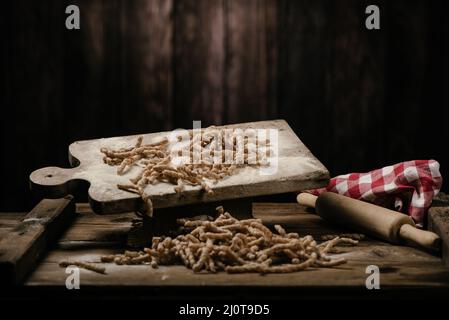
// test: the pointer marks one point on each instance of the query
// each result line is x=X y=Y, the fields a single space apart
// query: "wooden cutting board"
x=297 y=170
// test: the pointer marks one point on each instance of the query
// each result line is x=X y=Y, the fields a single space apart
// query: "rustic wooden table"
x=90 y=236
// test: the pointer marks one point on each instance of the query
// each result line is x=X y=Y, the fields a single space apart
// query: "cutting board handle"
x=54 y=182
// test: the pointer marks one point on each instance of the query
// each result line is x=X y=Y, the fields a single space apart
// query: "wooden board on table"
x=297 y=169
x=400 y=266
x=28 y=240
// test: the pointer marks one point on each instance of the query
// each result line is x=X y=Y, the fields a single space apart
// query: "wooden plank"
x=401 y=267
x=295 y=169
x=407 y=74
x=251 y=59
x=87 y=56
x=417 y=75
x=97 y=233
x=328 y=64
x=90 y=230
x=10 y=219
x=32 y=70
x=398 y=268
x=25 y=244
x=293 y=217
x=119 y=64
x=358 y=61
x=438 y=222
x=199 y=62
x=277 y=209
x=304 y=64
x=146 y=44
x=269 y=20
x=367 y=251
x=95 y=78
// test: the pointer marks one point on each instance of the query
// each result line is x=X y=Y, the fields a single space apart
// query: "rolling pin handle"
x=307 y=199
x=423 y=238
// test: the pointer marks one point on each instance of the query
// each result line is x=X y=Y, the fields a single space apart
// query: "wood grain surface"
x=92 y=236
x=354 y=96
x=25 y=243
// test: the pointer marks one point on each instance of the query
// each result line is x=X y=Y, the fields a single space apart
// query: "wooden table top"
x=92 y=236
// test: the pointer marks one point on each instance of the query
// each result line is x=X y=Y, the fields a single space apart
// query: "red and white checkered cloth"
x=408 y=187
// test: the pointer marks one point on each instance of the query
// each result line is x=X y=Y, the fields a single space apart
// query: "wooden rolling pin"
x=373 y=220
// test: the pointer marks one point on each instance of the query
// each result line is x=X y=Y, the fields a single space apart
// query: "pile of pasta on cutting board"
x=267 y=158
x=209 y=156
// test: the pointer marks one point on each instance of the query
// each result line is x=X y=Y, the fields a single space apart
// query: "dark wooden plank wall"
x=359 y=99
